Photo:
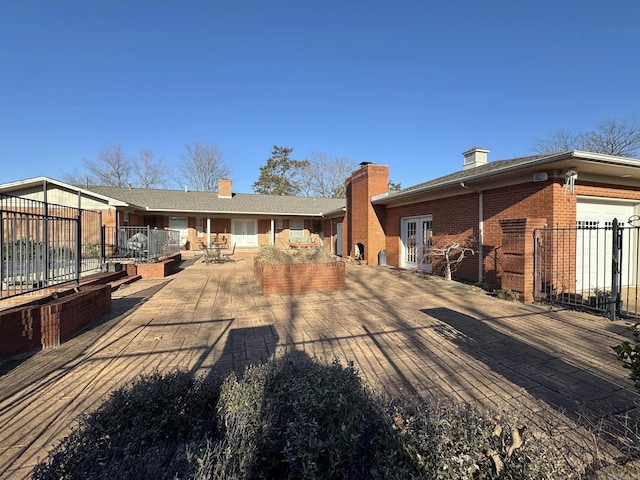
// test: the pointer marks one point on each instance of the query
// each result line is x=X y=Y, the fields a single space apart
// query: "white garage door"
x=593 y=247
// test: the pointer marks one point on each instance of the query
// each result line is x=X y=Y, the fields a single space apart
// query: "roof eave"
x=568 y=155
x=235 y=212
x=35 y=180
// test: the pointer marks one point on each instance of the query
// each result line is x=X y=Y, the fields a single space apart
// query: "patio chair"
x=227 y=256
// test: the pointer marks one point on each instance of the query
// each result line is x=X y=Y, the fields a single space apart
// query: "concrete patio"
x=444 y=341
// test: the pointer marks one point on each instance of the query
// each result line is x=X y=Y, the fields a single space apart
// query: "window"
x=279 y=227
x=296 y=228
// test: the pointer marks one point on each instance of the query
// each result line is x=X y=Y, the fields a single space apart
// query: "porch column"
x=272 y=233
x=208 y=232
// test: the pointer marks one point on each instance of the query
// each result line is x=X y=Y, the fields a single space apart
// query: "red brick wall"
x=456 y=218
x=299 y=277
x=21 y=331
x=156 y=270
x=447 y=226
x=63 y=318
x=46 y=323
x=517 y=255
x=364 y=223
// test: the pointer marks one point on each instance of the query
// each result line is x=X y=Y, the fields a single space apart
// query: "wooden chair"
x=227 y=256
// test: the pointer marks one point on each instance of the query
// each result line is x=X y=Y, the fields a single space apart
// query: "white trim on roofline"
x=233 y=212
x=36 y=180
x=568 y=155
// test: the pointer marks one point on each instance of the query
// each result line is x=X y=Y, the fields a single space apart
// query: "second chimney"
x=224 y=188
x=474 y=157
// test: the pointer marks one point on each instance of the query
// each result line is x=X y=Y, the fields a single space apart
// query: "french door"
x=416 y=235
x=245 y=232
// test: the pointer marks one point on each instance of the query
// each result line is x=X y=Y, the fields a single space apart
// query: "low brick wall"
x=299 y=277
x=49 y=321
x=154 y=270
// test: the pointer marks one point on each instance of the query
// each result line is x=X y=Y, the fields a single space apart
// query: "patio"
x=444 y=341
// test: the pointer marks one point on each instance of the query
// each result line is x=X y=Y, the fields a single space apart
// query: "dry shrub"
x=272 y=255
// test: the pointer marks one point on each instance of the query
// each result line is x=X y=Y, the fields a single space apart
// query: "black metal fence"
x=139 y=244
x=44 y=244
x=590 y=266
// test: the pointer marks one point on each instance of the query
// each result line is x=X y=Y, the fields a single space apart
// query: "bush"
x=289 y=418
x=270 y=254
x=138 y=432
x=629 y=354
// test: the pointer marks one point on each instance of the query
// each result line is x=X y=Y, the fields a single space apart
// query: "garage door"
x=594 y=243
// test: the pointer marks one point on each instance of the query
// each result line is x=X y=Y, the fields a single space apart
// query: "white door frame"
x=241 y=232
x=415 y=235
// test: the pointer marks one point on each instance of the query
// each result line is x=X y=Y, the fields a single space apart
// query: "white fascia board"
x=37 y=180
x=569 y=155
x=233 y=212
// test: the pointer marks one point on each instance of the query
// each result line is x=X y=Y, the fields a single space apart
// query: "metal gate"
x=590 y=266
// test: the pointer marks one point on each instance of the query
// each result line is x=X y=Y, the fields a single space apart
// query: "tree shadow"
x=564 y=386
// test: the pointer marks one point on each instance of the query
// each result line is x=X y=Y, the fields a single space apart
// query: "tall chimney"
x=224 y=188
x=474 y=157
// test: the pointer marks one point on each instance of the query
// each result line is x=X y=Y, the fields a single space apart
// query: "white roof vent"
x=474 y=157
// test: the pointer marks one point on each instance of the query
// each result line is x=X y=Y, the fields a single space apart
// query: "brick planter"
x=299 y=277
x=47 y=322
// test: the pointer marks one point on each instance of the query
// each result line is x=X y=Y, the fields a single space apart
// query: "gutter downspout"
x=480 y=230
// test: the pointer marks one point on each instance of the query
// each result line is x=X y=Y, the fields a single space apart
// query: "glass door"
x=416 y=236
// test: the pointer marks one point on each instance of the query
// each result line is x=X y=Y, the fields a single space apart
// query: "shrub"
x=629 y=354
x=270 y=254
x=138 y=432
x=288 y=418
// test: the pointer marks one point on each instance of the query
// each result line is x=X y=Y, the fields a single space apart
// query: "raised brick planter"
x=161 y=269
x=47 y=322
x=299 y=277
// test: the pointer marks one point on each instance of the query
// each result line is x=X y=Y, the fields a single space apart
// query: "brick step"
x=124 y=281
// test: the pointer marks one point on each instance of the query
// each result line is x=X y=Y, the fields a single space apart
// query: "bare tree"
x=621 y=138
x=611 y=137
x=324 y=176
x=111 y=168
x=559 y=141
x=203 y=165
x=447 y=257
x=150 y=172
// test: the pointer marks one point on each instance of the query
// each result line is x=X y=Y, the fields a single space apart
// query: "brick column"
x=517 y=255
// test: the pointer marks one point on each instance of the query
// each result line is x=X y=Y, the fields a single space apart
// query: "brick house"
x=493 y=205
x=246 y=220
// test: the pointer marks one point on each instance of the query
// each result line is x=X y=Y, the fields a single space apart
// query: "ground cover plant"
x=290 y=418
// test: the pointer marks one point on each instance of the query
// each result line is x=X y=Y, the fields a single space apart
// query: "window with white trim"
x=296 y=228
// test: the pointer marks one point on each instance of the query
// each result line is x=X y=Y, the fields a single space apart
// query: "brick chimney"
x=363 y=222
x=474 y=157
x=224 y=188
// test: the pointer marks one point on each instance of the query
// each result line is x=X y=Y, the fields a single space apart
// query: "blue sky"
x=409 y=84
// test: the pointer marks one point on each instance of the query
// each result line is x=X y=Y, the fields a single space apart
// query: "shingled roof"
x=160 y=200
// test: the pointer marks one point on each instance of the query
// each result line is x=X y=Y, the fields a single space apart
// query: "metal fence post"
x=3 y=252
x=616 y=250
x=79 y=241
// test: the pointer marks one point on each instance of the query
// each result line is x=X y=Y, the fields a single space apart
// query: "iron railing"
x=44 y=244
x=139 y=244
x=590 y=266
